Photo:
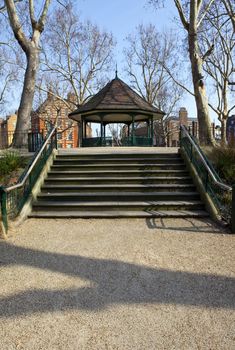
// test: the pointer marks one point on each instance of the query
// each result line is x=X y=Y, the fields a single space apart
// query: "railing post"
x=191 y=152
x=3 y=199
x=233 y=209
x=206 y=181
x=56 y=146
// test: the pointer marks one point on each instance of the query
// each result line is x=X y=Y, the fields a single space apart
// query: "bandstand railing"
x=109 y=141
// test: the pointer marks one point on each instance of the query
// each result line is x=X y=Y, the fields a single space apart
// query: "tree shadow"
x=205 y=225
x=112 y=282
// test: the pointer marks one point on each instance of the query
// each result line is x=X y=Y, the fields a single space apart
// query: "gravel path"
x=117 y=284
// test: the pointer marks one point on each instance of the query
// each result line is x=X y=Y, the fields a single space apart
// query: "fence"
x=13 y=198
x=31 y=140
x=221 y=194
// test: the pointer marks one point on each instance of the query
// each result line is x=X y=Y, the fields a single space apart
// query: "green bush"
x=10 y=161
x=223 y=159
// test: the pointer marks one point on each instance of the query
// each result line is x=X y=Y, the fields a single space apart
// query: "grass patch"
x=11 y=166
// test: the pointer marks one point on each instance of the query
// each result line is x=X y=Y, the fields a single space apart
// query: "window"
x=70 y=136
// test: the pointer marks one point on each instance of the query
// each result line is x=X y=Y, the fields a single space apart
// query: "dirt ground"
x=117 y=284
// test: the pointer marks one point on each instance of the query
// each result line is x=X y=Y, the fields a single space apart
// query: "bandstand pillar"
x=152 y=130
x=132 y=130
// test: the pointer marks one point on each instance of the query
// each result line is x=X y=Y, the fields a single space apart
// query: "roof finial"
x=116 y=72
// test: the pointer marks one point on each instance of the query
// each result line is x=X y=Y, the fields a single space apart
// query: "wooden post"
x=80 y=134
x=128 y=130
x=152 y=130
x=148 y=128
x=132 y=131
x=85 y=124
x=81 y=142
x=101 y=130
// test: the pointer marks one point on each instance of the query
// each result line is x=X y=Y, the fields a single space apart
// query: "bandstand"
x=116 y=103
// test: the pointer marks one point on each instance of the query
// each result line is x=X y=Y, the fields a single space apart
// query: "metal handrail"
x=218 y=183
x=20 y=184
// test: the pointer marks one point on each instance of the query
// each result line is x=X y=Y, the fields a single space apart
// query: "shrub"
x=11 y=161
x=223 y=159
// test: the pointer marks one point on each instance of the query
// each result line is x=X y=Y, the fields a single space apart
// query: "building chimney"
x=50 y=95
x=183 y=116
x=71 y=97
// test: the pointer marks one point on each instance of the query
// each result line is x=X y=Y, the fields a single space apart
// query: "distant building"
x=231 y=129
x=167 y=133
x=172 y=127
x=53 y=109
x=7 y=129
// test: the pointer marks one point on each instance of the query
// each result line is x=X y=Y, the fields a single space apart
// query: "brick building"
x=167 y=133
x=7 y=129
x=53 y=109
x=172 y=127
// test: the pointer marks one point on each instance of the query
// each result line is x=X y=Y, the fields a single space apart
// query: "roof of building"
x=52 y=101
x=175 y=118
x=116 y=96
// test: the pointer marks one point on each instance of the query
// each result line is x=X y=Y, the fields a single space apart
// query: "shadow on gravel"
x=112 y=282
x=207 y=226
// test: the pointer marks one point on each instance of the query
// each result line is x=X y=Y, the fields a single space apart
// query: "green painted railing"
x=13 y=198
x=108 y=141
x=222 y=195
x=97 y=142
x=140 y=141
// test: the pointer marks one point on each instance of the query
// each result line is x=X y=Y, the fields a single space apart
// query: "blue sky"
x=121 y=17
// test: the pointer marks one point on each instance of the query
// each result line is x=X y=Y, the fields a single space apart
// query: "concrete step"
x=104 y=173
x=120 y=214
x=118 y=196
x=79 y=161
x=113 y=185
x=112 y=205
x=116 y=155
x=119 y=180
x=52 y=188
x=120 y=166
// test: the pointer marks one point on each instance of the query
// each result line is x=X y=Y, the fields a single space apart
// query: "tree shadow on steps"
x=204 y=225
x=112 y=282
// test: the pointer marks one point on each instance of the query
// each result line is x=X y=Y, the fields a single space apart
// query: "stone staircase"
x=118 y=185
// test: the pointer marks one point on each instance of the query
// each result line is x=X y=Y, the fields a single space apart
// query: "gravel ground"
x=117 y=284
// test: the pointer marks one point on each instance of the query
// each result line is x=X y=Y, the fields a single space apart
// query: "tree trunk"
x=23 y=119
x=224 y=114
x=205 y=133
x=223 y=131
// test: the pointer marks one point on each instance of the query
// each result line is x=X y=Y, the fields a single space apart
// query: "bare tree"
x=220 y=64
x=192 y=14
x=76 y=55
x=230 y=8
x=147 y=56
x=9 y=68
x=7 y=77
x=27 y=29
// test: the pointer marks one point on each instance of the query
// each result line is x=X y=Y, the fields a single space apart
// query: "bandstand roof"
x=116 y=102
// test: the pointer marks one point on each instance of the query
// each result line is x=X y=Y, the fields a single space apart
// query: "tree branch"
x=181 y=14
